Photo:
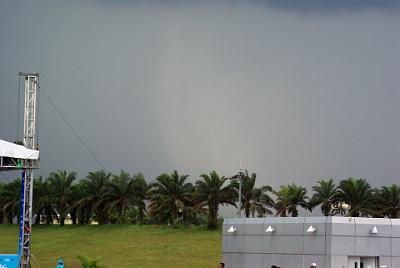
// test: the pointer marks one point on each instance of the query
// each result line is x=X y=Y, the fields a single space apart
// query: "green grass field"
x=120 y=245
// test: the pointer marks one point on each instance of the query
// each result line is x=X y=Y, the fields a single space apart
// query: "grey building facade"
x=330 y=242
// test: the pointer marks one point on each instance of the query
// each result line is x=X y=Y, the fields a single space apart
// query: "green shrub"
x=87 y=262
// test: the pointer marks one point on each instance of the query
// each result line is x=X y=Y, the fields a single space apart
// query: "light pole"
x=239 y=177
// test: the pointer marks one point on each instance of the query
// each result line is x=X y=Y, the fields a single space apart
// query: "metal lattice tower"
x=30 y=109
x=30 y=142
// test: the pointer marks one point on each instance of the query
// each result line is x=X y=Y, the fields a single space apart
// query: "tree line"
x=172 y=199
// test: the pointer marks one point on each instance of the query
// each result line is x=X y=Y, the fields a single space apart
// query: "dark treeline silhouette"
x=172 y=199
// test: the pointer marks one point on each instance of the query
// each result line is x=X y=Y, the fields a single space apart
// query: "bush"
x=87 y=262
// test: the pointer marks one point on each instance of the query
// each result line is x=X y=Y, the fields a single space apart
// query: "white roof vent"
x=311 y=229
x=374 y=230
x=270 y=229
x=232 y=229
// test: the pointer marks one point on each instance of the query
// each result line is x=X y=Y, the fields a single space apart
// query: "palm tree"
x=388 y=201
x=140 y=189
x=194 y=212
x=289 y=198
x=93 y=200
x=169 y=195
x=212 y=192
x=80 y=209
x=120 y=195
x=298 y=197
x=358 y=194
x=43 y=205
x=254 y=200
x=60 y=186
x=325 y=195
x=10 y=200
x=261 y=202
x=282 y=202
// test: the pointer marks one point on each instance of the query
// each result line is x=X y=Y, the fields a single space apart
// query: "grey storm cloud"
x=294 y=90
x=324 y=7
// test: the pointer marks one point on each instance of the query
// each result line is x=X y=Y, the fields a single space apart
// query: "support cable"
x=71 y=128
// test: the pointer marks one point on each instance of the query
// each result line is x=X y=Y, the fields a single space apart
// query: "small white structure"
x=14 y=156
x=12 y=150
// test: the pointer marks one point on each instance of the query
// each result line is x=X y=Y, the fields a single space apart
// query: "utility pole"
x=239 y=177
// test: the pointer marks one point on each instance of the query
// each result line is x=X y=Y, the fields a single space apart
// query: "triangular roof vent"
x=311 y=229
x=232 y=229
x=270 y=229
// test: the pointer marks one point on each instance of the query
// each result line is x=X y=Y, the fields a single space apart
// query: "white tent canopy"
x=9 y=149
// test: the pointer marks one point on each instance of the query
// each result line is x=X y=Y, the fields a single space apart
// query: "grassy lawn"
x=120 y=245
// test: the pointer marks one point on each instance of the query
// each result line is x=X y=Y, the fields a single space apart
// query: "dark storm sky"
x=295 y=90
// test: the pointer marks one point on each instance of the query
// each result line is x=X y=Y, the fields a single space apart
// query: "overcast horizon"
x=296 y=91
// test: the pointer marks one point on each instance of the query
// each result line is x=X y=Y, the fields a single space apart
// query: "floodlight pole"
x=30 y=142
x=240 y=178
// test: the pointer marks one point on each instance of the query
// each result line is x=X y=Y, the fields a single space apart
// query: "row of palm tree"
x=171 y=198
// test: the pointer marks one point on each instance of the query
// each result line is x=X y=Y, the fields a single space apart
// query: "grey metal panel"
x=253 y=244
x=385 y=261
x=327 y=261
x=276 y=223
x=273 y=259
x=292 y=244
x=396 y=247
x=373 y=246
x=338 y=262
x=395 y=227
x=292 y=261
x=314 y=245
x=236 y=261
x=226 y=257
x=253 y=261
x=340 y=226
x=319 y=223
x=290 y=240
x=273 y=244
x=365 y=225
x=239 y=224
x=340 y=245
x=224 y=243
x=396 y=262
x=293 y=225
x=235 y=243
x=318 y=259
x=254 y=226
